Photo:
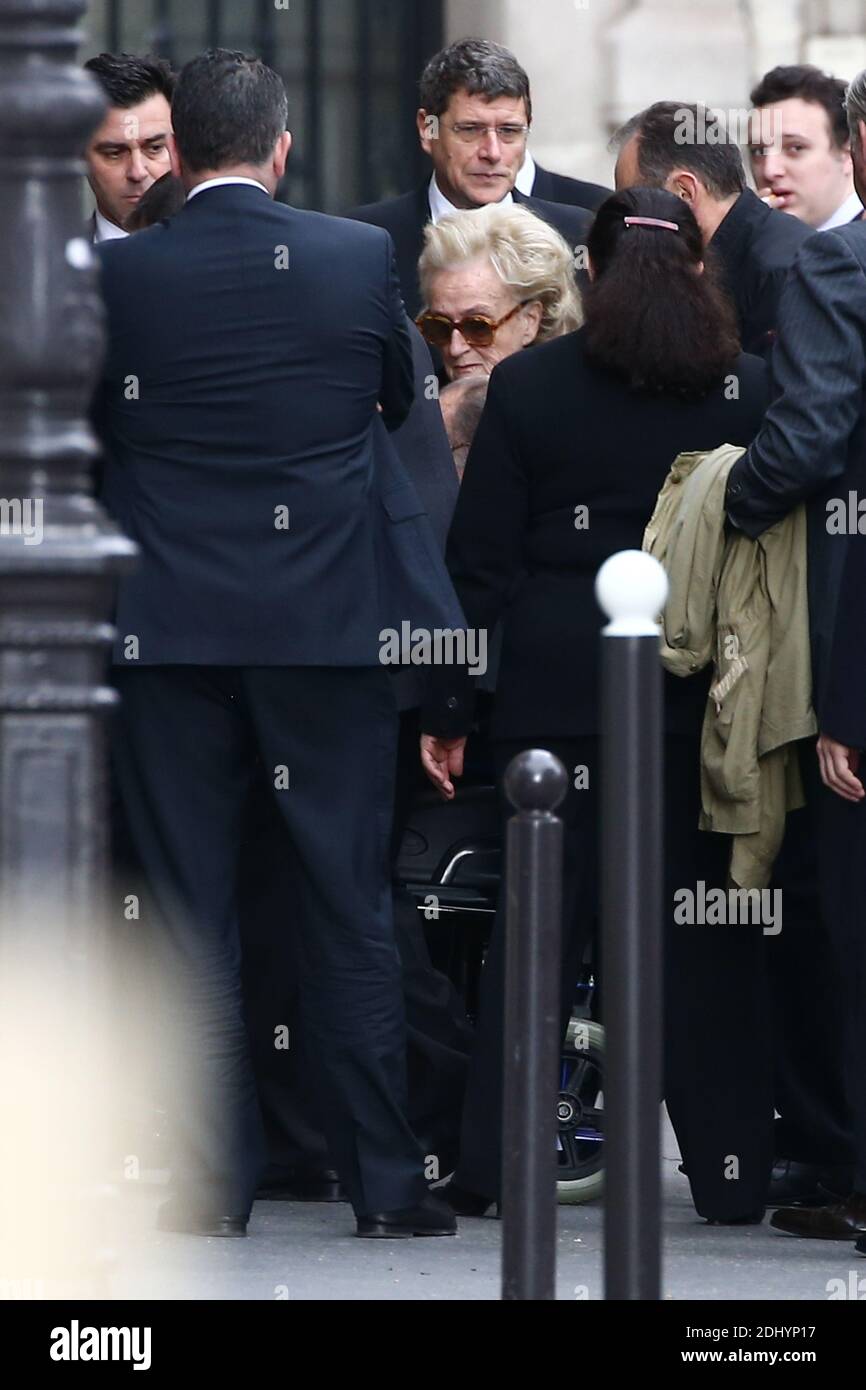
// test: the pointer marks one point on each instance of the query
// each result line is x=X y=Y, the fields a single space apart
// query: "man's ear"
x=428 y=129
x=176 y=167
x=281 y=153
x=683 y=183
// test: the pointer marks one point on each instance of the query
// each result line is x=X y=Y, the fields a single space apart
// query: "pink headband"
x=650 y=222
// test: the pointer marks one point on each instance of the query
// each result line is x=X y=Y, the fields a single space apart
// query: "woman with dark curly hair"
x=575 y=443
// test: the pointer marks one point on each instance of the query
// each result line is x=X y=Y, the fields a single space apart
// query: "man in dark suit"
x=474 y=121
x=439 y=1035
x=128 y=151
x=249 y=345
x=753 y=246
x=812 y=449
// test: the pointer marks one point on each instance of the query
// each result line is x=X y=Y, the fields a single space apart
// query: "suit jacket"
x=559 y=433
x=406 y=217
x=558 y=188
x=422 y=444
x=420 y=450
x=248 y=346
x=754 y=248
x=813 y=441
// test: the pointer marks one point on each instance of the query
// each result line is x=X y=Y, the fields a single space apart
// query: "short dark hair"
x=128 y=78
x=228 y=108
x=478 y=67
x=809 y=84
x=650 y=316
x=661 y=149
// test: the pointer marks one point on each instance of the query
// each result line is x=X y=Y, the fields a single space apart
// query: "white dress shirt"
x=526 y=178
x=440 y=206
x=107 y=231
x=218 y=183
x=846 y=213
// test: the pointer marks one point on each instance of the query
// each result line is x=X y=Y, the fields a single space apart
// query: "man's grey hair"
x=663 y=145
x=478 y=67
x=855 y=105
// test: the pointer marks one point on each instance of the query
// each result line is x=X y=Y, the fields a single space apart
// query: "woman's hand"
x=442 y=759
x=838 y=766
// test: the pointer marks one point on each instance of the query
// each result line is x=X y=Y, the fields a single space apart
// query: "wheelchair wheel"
x=580 y=1114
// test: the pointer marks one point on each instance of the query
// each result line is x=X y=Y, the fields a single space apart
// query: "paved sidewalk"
x=301 y=1251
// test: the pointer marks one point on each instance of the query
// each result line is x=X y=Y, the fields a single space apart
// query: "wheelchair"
x=450 y=863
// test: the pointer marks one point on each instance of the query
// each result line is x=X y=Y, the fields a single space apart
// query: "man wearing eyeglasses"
x=474 y=122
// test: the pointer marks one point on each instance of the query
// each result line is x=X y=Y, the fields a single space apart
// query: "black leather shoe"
x=844 y=1221
x=430 y=1218
x=174 y=1216
x=860 y=1247
x=795 y=1184
x=466 y=1203
x=299 y=1186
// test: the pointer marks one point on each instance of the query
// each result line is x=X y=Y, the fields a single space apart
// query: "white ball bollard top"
x=632 y=589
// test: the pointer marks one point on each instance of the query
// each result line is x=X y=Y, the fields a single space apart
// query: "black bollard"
x=632 y=587
x=535 y=784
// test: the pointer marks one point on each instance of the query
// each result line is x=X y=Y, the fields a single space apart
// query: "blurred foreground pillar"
x=59 y=558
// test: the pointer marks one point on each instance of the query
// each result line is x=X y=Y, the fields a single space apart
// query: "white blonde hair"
x=528 y=255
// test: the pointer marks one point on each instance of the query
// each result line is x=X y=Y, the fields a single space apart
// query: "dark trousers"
x=842 y=854
x=717 y=1052
x=814 y=1124
x=186 y=741
x=439 y=1036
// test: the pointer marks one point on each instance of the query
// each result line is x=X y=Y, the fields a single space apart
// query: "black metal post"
x=535 y=784
x=59 y=555
x=632 y=893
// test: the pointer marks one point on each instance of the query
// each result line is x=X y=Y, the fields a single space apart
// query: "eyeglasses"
x=478 y=330
x=470 y=133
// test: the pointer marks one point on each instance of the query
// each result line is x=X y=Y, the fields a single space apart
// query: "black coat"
x=812 y=449
x=423 y=449
x=235 y=387
x=406 y=217
x=557 y=434
x=559 y=188
x=755 y=247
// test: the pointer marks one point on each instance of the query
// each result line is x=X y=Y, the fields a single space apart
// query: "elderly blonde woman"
x=494 y=280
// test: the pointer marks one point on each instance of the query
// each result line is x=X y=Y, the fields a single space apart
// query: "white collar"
x=846 y=213
x=525 y=181
x=220 y=183
x=440 y=206
x=107 y=231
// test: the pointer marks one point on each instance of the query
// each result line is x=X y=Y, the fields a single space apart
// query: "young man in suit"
x=250 y=347
x=473 y=122
x=800 y=149
x=812 y=449
x=128 y=152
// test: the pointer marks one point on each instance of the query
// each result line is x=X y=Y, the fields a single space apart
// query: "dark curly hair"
x=651 y=316
x=809 y=84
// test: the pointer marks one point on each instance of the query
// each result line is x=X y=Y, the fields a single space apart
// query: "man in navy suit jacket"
x=250 y=346
x=812 y=449
x=474 y=121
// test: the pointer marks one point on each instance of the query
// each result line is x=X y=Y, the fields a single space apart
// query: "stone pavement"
x=300 y=1251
